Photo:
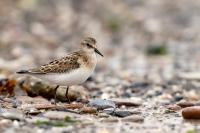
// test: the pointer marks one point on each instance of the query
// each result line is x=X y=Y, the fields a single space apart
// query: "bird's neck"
x=89 y=58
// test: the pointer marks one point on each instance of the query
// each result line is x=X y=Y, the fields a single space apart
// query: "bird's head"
x=88 y=44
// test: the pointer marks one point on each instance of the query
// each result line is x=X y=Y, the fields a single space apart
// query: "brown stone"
x=88 y=110
x=185 y=104
x=191 y=112
x=73 y=106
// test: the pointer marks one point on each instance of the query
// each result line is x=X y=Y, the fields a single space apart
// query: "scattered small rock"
x=122 y=113
x=88 y=110
x=59 y=115
x=12 y=115
x=133 y=118
x=184 y=104
x=74 y=106
x=38 y=106
x=178 y=97
x=31 y=100
x=109 y=110
x=101 y=104
x=103 y=115
x=173 y=108
x=140 y=85
x=33 y=111
x=110 y=119
x=127 y=101
x=191 y=112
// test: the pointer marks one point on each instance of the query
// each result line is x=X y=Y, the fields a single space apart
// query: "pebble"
x=37 y=106
x=5 y=122
x=110 y=119
x=31 y=100
x=178 y=97
x=74 y=106
x=140 y=85
x=165 y=98
x=133 y=118
x=191 y=112
x=109 y=110
x=12 y=115
x=33 y=111
x=103 y=115
x=134 y=101
x=122 y=113
x=184 y=104
x=59 y=115
x=101 y=104
x=173 y=108
x=88 y=110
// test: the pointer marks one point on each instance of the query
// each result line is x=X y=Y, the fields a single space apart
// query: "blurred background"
x=150 y=70
x=151 y=39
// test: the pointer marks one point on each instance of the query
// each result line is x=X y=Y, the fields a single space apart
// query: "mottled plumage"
x=63 y=65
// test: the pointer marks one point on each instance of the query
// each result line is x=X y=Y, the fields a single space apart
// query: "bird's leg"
x=55 y=94
x=66 y=94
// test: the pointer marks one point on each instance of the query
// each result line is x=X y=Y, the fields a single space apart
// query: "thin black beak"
x=97 y=51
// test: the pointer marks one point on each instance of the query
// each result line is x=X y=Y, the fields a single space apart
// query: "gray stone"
x=122 y=113
x=101 y=104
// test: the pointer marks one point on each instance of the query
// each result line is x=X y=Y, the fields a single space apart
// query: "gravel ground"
x=148 y=81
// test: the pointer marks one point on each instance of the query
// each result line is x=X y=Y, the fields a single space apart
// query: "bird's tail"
x=22 y=72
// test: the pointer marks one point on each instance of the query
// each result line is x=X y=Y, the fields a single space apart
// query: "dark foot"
x=55 y=100
x=66 y=95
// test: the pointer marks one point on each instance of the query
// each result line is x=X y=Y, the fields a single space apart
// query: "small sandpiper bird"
x=73 y=69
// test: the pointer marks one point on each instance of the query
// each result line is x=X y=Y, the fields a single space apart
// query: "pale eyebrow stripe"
x=90 y=45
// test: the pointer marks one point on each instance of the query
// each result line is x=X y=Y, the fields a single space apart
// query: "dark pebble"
x=178 y=98
x=122 y=113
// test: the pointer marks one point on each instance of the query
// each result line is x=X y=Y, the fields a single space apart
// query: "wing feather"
x=63 y=65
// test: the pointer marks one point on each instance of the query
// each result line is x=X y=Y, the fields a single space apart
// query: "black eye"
x=88 y=45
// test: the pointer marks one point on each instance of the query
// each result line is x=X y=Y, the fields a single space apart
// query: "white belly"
x=67 y=79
